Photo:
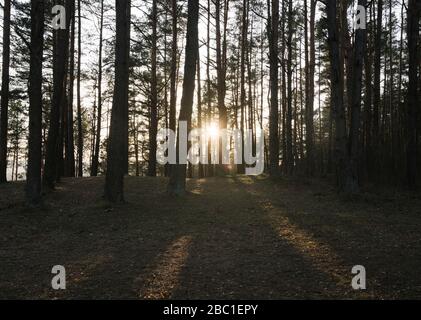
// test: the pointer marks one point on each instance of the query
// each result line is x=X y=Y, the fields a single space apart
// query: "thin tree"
x=310 y=71
x=153 y=119
x=79 y=106
x=173 y=71
x=221 y=51
x=199 y=107
x=5 y=91
x=244 y=29
x=95 y=158
x=273 y=25
x=177 y=183
x=289 y=158
x=413 y=102
x=118 y=139
x=377 y=82
x=70 y=146
x=33 y=176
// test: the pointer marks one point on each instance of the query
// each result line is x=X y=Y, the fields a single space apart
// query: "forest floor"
x=234 y=237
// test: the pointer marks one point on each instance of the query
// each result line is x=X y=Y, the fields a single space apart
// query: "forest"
x=325 y=93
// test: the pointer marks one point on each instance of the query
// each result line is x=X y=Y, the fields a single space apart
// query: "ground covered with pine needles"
x=229 y=238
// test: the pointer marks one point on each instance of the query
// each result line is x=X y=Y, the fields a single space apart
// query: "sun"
x=213 y=130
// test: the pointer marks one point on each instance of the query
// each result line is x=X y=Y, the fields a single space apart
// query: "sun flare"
x=213 y=130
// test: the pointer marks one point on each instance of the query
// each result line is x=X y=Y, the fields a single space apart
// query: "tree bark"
x=95 y=158
x=352 y=185
x=61 y=43
x=79 y=106
x=413 y=101
x=273 y=25
x=70 y=146
x=337 y=94
x=199 y=108
x=118 y=139
x=310 y=71
x=5 y=92
x=289 y=147
x=177 y=183
x=33 y=176
x=377 y=82
x=244 y=29
x=221 y=49
x=153 y=121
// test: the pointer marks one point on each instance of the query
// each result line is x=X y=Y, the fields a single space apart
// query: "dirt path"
x=235 y=237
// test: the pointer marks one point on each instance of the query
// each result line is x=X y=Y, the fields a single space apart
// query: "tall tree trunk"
x=400 y=102
x=173 y=71
x=118 y=139
x=79 y=106
x=5 y=92
x=289 y=146
x=273 y=34
x=337 y=94
x=199 y=108
x=377 y=82
x=414 y=9
x=61 y=43
x=177 y=183
x=33 y=176
x=95 y=158
x=70 y=146
x=244 y=31
x=153 y=121
x=221 y=73
x=391 y=106
x=166 y=105
x=208 y=84
x=368 y=98
x=310 y=71
x=352 y=185
x=283 y=90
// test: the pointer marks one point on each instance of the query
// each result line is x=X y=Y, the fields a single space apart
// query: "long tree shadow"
x=103 y=248
x=240 y=256
x=337 y=234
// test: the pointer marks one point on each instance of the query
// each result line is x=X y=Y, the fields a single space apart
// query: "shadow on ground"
x=233 y=237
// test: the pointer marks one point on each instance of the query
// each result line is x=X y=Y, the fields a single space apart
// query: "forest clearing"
x=233 y=237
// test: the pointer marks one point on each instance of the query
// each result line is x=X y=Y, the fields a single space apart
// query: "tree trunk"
x=199 y=109
x=413 y=101
x=153 y=121
x=352 y=184
x=208 y=84
x=368 y=99
x=61 y=43
x=177 y=183
x=244 y=29
x=95 y=158
x=79 y=107
x=310 y=71
x=173 y=71
x=377 y=82
x=33 y=176
x=289 y=147
x=5 y=92
x=337 y=94
x=273 y=24
x=70 y=147
x=221 y=49
x=118 y=139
